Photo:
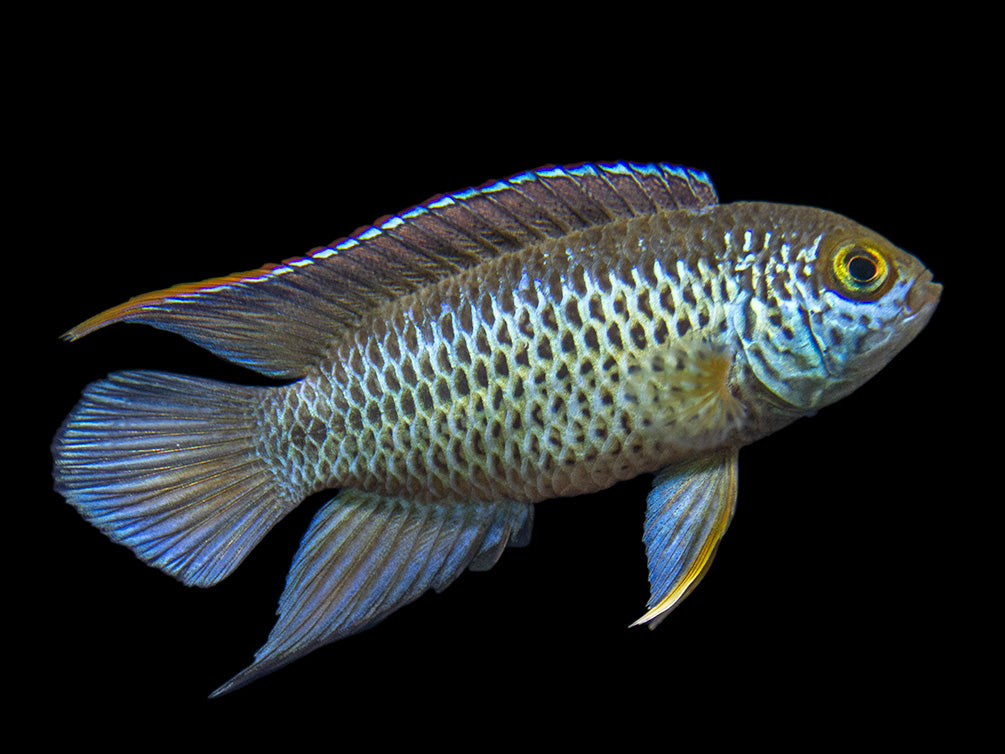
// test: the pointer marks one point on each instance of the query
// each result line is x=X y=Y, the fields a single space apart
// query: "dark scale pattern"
x=553 y=371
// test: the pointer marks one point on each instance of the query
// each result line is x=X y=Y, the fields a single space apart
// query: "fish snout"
x=923 y=293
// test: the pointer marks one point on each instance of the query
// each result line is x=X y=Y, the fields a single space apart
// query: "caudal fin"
x=166 y=465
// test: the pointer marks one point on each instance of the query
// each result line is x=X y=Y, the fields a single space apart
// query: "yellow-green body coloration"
x=540 y=337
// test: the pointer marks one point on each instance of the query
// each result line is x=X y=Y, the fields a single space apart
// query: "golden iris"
x=860 y=270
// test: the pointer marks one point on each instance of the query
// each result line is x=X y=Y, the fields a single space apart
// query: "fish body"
x=540 y=374
x=450 y=366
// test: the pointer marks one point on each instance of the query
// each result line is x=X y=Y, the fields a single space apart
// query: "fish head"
x=870 y=299
x=855 y=300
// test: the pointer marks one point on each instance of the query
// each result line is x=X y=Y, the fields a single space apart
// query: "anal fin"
x=365 y=556
x=688 y=511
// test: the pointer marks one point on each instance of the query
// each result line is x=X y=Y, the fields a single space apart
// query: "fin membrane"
x=365 y=556
x=281 y=318
x=166 y=465
x=688 y=511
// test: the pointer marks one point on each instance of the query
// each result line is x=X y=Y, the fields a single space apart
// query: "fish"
x=448 y=367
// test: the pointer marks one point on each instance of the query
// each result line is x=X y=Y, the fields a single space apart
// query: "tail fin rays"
x=166 y=465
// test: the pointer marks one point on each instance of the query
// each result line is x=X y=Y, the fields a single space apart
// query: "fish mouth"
x=924 y=293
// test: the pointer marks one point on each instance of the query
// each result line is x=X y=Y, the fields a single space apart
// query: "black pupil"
x=862 y=269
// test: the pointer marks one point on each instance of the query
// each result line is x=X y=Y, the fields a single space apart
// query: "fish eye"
x=860 y=271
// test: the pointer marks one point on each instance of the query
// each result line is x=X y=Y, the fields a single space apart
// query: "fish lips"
x=924 y=293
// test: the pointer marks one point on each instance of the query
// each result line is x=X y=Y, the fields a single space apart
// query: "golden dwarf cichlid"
x=449 y=366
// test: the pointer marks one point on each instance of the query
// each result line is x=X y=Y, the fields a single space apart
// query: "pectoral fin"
x=688 y=511
x=365 y=556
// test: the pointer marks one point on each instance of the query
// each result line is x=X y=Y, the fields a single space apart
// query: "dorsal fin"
x=281 y=318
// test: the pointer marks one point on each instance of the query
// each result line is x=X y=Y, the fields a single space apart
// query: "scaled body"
x=541 y=337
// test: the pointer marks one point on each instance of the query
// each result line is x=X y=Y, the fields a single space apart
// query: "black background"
x=837 y=598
